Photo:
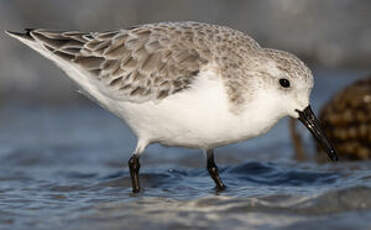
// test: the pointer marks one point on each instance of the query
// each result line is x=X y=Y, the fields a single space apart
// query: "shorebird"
x=184 y=84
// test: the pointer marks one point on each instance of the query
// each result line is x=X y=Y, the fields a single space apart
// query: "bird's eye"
x=284 y=83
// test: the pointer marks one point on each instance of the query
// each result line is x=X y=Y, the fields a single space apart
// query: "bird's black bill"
x=310 y=121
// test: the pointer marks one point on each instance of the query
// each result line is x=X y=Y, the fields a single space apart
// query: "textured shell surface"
x=346 y=119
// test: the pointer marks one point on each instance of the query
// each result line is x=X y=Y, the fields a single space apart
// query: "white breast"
x=200 y=117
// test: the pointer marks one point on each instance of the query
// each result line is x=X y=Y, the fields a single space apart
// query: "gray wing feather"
x=144 y=63
x=147 y=62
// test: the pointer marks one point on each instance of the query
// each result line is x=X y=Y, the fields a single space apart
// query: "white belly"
x=198 y=118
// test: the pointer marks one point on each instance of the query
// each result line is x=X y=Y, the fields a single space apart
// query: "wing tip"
x=19 y=35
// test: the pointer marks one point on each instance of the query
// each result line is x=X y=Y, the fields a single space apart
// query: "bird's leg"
x=213 y=170
x=134 y=166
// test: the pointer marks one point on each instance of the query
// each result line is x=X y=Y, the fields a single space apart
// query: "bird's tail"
x=21 y=36
x=26 y=38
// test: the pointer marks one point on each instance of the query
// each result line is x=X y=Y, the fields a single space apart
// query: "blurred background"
x=63 y=158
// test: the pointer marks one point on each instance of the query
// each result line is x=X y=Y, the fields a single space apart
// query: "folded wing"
x=143 y=63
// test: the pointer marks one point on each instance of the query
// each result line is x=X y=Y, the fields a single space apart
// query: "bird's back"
x=141 y=63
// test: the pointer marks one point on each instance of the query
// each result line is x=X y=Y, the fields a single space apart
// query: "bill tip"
x=333 y=156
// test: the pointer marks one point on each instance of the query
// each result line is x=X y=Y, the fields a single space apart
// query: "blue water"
x=64 y=167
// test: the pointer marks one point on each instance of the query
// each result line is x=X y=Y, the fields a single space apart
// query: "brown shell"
x=346 y=119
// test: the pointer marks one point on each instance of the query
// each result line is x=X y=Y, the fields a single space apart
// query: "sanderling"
x=184 y=84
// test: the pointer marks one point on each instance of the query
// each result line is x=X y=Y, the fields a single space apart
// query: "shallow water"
x=65 y=167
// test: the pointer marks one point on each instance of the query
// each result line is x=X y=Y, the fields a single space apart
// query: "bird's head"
x=289 y=82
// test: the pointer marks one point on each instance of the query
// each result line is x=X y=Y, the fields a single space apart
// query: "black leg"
x=213 y=170
x=134 y=166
